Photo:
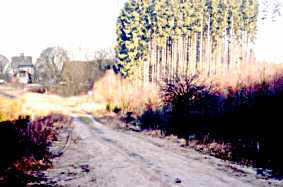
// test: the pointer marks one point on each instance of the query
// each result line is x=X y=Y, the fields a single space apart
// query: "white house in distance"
x=22 y=69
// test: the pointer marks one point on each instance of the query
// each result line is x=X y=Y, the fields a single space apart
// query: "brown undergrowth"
x=25 y=147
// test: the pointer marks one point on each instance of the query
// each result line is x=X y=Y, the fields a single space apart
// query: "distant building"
x=22 y=68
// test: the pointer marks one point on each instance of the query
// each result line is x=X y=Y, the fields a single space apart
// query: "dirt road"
x=10 y=92
x=103 y=156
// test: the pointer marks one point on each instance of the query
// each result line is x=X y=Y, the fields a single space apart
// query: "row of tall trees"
x=171 y=39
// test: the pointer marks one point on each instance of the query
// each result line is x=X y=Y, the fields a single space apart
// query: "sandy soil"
x=102 y=156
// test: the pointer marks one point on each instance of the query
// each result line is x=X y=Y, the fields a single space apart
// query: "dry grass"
x=10 y=109
x=127 y=95
x=242 y=75
x=40 y=105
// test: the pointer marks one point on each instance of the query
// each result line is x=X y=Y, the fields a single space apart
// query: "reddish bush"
x=25 y=146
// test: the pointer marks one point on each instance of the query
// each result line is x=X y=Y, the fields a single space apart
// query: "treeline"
x=170 y=39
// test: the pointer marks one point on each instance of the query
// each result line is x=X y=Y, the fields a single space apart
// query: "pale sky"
x=270 y=39
x=84 y=26
x=80 y=26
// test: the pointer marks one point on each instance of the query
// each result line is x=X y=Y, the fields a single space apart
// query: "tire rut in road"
x=122 y=153
x=165 y=165
x=113 y=158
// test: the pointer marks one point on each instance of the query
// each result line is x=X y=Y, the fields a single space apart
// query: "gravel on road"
x=104 y=156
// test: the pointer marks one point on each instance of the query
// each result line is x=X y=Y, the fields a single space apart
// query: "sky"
x=80 y=26
x=268 y=45
x=85 y=26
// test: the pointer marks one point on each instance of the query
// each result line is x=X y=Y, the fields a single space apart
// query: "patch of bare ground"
x=71 y=167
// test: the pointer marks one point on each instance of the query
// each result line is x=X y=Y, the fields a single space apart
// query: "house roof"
x=21 y=61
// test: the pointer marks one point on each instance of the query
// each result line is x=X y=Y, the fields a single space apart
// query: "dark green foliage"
x=151 y=120
x=108 y=107
x=129 y=118
x=116 y=109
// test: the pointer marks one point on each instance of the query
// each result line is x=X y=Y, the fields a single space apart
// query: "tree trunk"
x=208 y=48
x=166 y=62
x=187 y=56
x=201 y=46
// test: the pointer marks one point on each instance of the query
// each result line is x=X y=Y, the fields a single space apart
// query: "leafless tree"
x=103 y=59
x=72 y=77
x=79 y=76
x=4 y=63
x=4 y=67
x=49 y=64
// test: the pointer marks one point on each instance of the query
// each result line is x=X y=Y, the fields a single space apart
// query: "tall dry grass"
x=10 y=109
x=242 y=75
x=124 y=94
x=115 y=92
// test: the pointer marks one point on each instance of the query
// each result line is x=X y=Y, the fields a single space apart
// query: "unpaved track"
x=114 y=158
x=10 y=92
